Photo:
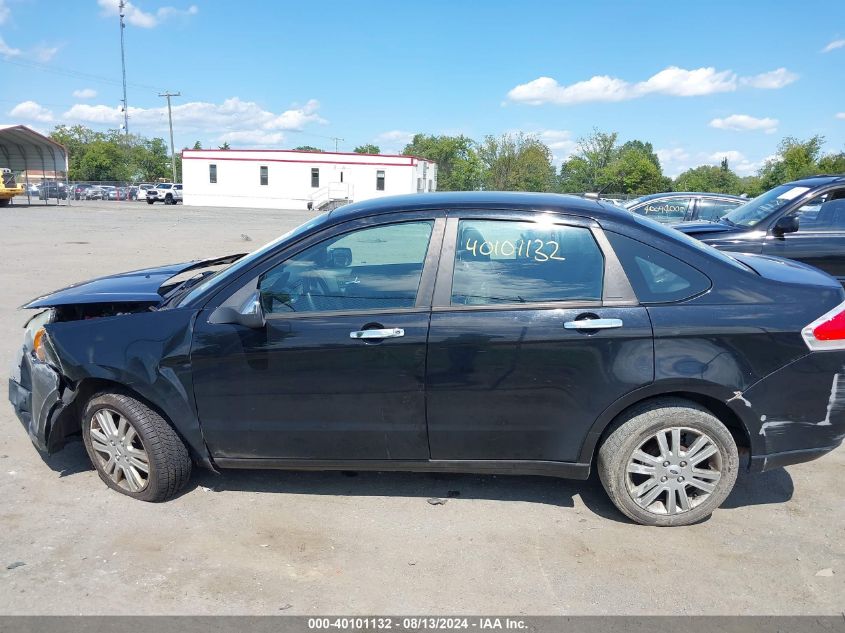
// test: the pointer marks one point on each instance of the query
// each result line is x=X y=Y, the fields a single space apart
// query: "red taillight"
x=827 y=332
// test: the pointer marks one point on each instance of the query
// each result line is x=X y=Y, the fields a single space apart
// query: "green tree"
x=307 y=148
x=367 y=148
x=516 y=162
x=458 y=164
x=224 y=146
x=634 y=170
x=710 y=178
x=197 y=145
x=832 y=164
x=795 y=159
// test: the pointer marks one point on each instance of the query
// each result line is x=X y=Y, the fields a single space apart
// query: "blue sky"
x=698 y=80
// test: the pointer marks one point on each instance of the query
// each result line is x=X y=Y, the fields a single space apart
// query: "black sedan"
x=478 y=332
x=678 y=206
x=803 y=220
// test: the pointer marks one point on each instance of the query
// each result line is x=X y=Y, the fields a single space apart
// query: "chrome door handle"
x=392 y=332
x=593 y=324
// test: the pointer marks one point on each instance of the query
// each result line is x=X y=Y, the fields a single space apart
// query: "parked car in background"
x=802 y=220
x=481 y=332
x=94 y=192
x=118 y=193
x=107 y=191
x=166 y=192
x=79 y=190
x=53 y=189
x=676 y=207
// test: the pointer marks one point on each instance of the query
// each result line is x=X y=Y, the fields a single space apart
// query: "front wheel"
x=668 y=462
x=135 y=451
x=168 y=199
x=149 y=201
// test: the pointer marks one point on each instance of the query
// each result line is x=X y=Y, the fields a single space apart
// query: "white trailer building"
x=291 y=179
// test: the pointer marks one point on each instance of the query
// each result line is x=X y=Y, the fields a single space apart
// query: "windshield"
x=631 y=203
x=753 y=212
x=164 y=186
x=243 y=263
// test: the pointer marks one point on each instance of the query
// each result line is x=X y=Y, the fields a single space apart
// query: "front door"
x=525 y=351
x=820 y=239
x=338 y=372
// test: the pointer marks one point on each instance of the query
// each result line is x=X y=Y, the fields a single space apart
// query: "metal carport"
x=23 y=149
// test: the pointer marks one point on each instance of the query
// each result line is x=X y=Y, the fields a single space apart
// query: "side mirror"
x=250 y=314
x=786 y=224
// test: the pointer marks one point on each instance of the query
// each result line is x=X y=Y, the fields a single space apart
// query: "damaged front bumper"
x=38 y=392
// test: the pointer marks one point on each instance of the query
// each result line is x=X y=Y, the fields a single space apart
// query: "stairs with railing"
x=331 y=197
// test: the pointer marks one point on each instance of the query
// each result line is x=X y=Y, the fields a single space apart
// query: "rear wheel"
x=134 y=450
x=668 y=462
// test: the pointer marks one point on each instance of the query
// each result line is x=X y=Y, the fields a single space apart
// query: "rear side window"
x=655 y=276
x=498 y=261
x=714 y=209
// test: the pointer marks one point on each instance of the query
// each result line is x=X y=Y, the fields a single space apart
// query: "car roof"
x=818 y=181
x=652 y=196
x=573 y=205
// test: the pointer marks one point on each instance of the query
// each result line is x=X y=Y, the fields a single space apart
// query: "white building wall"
x=289 y=184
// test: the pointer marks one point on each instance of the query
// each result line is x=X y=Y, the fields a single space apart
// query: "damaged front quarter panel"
x=145 y=352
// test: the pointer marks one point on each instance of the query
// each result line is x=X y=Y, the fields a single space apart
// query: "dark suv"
x=803 y=220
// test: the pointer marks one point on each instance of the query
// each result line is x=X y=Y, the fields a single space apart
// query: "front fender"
x=148 y=352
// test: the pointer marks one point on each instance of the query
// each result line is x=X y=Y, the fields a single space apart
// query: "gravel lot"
x=306 y=543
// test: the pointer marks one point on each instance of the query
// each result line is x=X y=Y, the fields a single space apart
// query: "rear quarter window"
x=657 y=277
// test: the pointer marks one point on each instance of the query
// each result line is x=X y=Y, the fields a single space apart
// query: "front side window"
x=501 y=262
x=823 y=213
x=369 y=269
x=666 y=210
x=380 y=180
x=212 y=174
x=264 y=174
x=713 y=209
x=315 y=177
x=655 y=276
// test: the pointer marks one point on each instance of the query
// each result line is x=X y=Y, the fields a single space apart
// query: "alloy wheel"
x=673 y=471
x=119 y=450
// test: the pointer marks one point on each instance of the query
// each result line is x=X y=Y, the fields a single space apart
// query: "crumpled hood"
x=134 y=286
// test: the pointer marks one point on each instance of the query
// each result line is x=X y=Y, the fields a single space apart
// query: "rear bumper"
x=762 y=463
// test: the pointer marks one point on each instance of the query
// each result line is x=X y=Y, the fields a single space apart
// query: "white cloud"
x=673 y=81
x=233 y=120
x=44 y=54
x=771 y=80
x=8 y=51
x=832 y=46
x=396 y=137
x=4 y=12
x=840 y=115
x=732 y=155
x=85 y=93
x=31 y=111
x=674 y=160
x=144 y=19
x=737 y=161
x=744 y=122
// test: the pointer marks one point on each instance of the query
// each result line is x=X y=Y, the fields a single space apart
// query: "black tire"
x=149 y=201
x=638 y=425
x=4 y=202
x=168 y=199
x=169 y=461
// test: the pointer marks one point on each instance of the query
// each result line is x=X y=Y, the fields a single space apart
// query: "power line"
x=69 y=72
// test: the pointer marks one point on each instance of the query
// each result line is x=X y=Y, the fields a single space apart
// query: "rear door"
x=534 y=332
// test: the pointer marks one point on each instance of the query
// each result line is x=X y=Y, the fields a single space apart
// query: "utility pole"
x=169 y=94
x=336 y=140
x=123 y=66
